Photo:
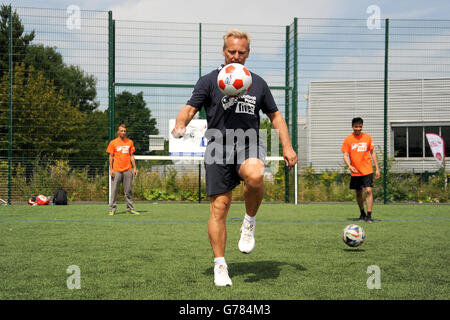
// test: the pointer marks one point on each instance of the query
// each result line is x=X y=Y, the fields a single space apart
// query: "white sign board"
x=437 y=147
x=193 y=143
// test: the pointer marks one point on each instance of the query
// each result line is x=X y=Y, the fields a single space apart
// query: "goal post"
x=178 y=176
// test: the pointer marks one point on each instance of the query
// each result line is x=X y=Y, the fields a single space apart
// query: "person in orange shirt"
x=122 y=168
x=358 y=149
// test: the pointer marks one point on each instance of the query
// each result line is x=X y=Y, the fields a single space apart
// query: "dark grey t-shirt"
x=232 y=113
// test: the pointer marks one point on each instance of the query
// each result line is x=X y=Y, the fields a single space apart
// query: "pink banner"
x=437 y=146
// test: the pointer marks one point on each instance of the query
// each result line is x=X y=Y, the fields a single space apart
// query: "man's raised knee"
x=254 y=180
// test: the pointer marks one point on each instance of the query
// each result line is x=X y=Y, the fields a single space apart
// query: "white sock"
x=251 y=220
x=219 y=260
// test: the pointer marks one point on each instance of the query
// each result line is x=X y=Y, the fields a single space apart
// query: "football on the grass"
x=353 y=235
x=234 y=80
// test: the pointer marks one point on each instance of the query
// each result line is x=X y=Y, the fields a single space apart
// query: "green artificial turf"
x=164 y=253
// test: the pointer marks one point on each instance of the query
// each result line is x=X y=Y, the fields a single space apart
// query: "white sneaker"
x=247 y=241
x=221 y=277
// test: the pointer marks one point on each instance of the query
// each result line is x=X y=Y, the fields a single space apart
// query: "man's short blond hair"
x=236 y=33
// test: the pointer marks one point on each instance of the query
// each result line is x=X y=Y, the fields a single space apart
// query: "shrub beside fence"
x=150 y=185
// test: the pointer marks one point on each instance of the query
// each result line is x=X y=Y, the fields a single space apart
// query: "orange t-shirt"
x=121 y=150
x=358 y=149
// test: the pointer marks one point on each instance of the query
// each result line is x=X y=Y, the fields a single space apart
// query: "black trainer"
x=369 y=219
x=362 y=217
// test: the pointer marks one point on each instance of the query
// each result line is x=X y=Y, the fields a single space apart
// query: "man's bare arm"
x=183 y=118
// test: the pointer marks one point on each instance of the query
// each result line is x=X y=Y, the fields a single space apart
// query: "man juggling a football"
x=234 y=152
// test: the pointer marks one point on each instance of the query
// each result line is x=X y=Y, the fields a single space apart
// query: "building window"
x=400 y=142
x=415 y=142
x=445 y=134
x=411 y=142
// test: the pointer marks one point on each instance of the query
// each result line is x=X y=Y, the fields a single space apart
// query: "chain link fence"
x=78 y=74
x=70 y=77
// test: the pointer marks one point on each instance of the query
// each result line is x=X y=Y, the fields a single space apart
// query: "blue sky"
x=280 y=12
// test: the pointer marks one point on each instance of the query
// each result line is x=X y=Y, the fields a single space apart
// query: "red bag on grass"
x=40 y=200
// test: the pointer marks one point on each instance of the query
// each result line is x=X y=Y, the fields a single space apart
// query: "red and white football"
x=234 y=80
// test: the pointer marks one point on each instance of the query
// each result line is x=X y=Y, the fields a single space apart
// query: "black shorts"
x=223 y=177
x=361 y=182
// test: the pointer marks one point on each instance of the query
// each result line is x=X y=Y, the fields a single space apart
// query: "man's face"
x=236 y=50
x=122 y=132
x=357 y=128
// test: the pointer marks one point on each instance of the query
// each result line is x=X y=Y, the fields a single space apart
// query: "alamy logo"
x=74 y=19
x=74 y=280
x=374 y=281
x=374 y=21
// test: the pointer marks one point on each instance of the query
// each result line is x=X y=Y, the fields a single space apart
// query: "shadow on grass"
x=124 y=212
x=257 y=270
x=361 y=223
x=354 y=220
x=354 y=250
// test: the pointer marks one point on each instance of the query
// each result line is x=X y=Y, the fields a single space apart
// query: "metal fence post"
x=10 y=117
x=202 y=112
x=111 y=91
x=386 y=88
x=295 y=98
x=286 y=112
x=295 y=90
